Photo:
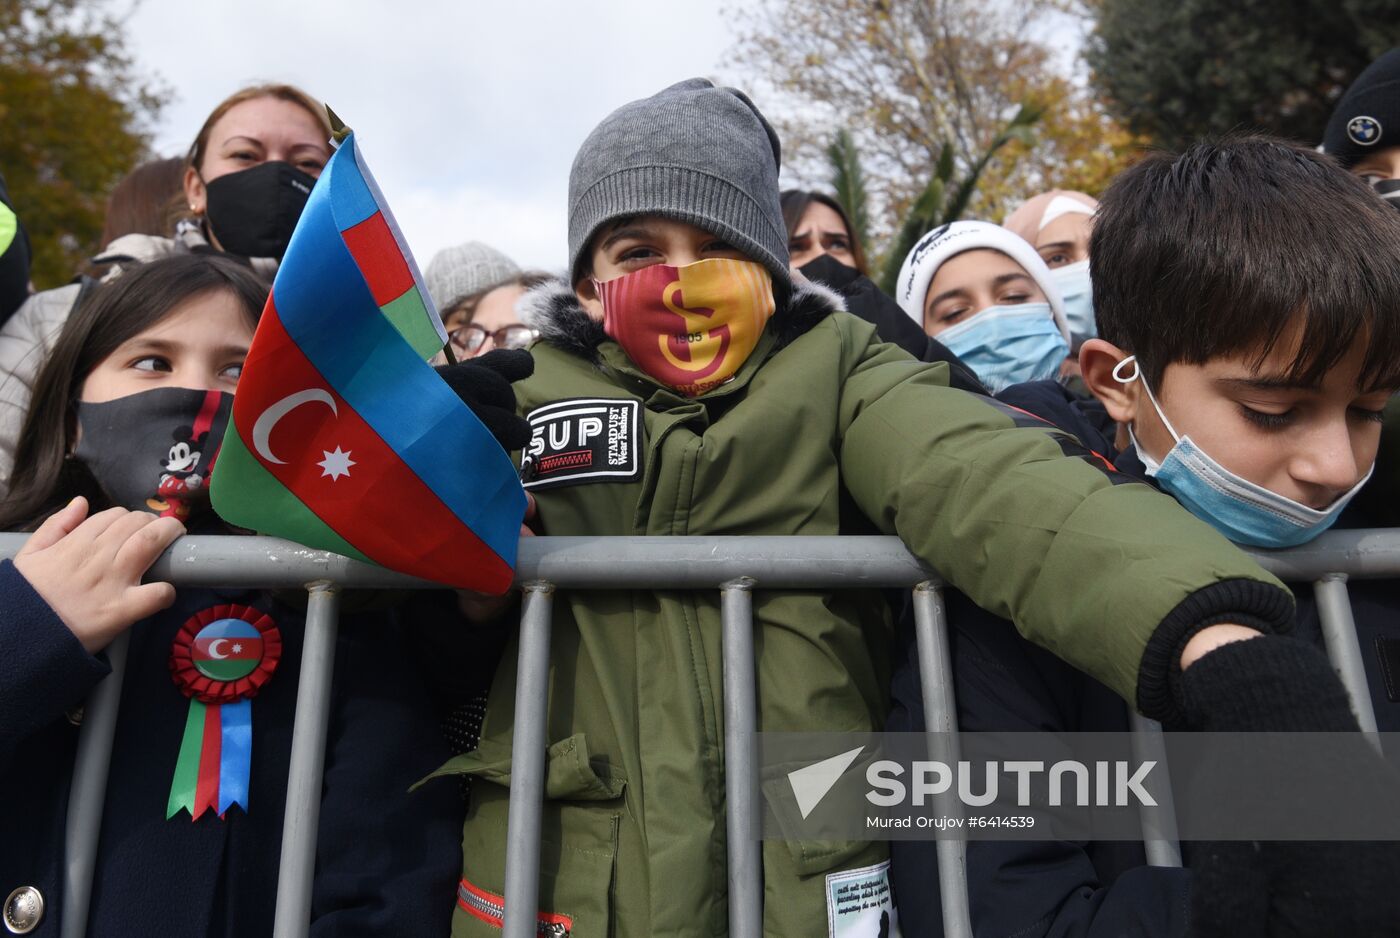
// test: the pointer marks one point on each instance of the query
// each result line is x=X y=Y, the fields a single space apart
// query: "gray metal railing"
x=734 y=567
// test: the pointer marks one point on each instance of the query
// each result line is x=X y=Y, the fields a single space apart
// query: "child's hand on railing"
x=89 y=569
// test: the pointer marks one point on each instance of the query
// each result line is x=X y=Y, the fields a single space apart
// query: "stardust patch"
x=583 y=439
x=859 y=903
x=1364 y=131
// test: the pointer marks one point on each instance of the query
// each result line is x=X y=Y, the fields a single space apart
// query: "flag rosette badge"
x=220 y=659
x=343 y=437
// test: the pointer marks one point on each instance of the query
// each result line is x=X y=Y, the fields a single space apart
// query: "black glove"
x=1242 y=889
x=483 y=384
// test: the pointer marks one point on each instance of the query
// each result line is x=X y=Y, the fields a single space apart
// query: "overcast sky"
x=468 y=112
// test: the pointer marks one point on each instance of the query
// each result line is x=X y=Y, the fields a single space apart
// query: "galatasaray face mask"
x=253 y=212
x=691 y=327
x=153 y=450
x=1242 y=511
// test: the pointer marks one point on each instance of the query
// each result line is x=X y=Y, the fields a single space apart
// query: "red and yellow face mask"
x=689 y=327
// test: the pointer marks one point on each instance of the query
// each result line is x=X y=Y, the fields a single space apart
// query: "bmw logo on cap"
x=1365 y=131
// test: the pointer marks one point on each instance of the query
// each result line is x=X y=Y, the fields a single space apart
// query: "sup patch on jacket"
x=582 y=439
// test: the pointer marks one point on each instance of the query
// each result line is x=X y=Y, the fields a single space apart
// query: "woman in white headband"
x=986 y=295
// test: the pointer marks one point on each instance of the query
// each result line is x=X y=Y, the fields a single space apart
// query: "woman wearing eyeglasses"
x=491 y=319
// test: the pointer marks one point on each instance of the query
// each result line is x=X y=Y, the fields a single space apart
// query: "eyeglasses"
x=470 y=338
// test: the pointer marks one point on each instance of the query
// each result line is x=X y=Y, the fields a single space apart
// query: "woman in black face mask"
x=252 y=167
x=247 y=177
x=127 y=419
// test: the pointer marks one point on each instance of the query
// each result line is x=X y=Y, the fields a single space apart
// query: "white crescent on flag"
x=214 y=648
x=262 y=427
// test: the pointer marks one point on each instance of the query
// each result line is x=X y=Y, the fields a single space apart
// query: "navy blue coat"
x=387 y=861
x=1004 y=683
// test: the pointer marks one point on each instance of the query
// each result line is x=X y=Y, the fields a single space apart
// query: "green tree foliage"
x=848 y=181
x=924 y=84
x=75 y=114
x=945 y=199
x=1179 y=70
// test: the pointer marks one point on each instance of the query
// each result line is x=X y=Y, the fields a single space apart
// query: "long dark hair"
x=795 y=203
x=44 y=478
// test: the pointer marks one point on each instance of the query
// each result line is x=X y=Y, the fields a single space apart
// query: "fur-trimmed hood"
x=554 y=310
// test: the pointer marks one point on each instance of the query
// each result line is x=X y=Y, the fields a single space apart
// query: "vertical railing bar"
x=740 y=770
x=88 y=793
x=527 y=763
x=292 y=915
x=1160 y=840
x=941 y=720
x=1339 y=635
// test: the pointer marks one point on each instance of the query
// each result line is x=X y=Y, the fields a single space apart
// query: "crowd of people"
x=1078 y=417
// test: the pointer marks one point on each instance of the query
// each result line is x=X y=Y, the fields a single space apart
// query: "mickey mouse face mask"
x=153 y=451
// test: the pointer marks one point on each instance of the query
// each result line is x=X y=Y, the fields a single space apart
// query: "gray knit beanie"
x=694 y=153
x=460 y=271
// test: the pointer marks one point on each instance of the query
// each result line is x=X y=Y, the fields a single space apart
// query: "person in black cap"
x=1364 y=132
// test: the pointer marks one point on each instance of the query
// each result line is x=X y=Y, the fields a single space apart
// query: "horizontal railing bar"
x=567 y=562
x=682 y=562
x=1360 y=553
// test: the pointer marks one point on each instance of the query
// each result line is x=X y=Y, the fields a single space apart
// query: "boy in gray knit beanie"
x=676 y=236
x=692 y=153
x=685 y=384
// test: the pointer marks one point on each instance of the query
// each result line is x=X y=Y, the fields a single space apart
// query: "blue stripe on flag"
x=329 y=312
x=351 y=200
x=235 y=753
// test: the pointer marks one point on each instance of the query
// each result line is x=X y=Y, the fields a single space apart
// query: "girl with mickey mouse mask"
x=113 y=465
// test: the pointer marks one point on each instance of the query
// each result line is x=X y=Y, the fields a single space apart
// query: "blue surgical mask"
x=1007 y=345
x=1078 y=292
x=1242 y=511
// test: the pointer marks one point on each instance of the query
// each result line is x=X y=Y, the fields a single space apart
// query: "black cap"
x=1367 y=118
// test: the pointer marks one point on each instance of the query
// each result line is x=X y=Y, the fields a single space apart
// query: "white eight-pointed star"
x=336 y=464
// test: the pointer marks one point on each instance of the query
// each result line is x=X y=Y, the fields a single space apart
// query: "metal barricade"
x=732 y=566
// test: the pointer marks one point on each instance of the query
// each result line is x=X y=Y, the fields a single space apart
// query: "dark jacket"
x=864 y=299
x=386 y=860
x=1004 y=683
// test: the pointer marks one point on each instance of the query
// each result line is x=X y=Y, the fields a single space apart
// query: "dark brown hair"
x=1218 y=250
x=795 y=203
x=140 y=203
x=44 y=478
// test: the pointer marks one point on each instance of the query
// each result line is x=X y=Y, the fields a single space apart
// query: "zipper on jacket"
x=491 y=909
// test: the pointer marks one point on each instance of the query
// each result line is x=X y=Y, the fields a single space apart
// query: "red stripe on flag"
x=206 y=792
x=235 y=649
x=377 y=502
x=379 y=258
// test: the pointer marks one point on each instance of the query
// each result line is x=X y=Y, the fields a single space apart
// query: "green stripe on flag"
x=247 y=495
x=409 y=315
x=225 y=670
x=182 y=786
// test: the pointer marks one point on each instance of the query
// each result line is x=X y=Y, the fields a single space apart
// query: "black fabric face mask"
x=1389 y=189
x=153 y=450
x=252 y=212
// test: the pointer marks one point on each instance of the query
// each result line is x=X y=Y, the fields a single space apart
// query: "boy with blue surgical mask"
x=1245 y=364
x=986 y=295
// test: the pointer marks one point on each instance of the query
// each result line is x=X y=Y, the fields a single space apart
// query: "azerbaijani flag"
x=342 y=437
